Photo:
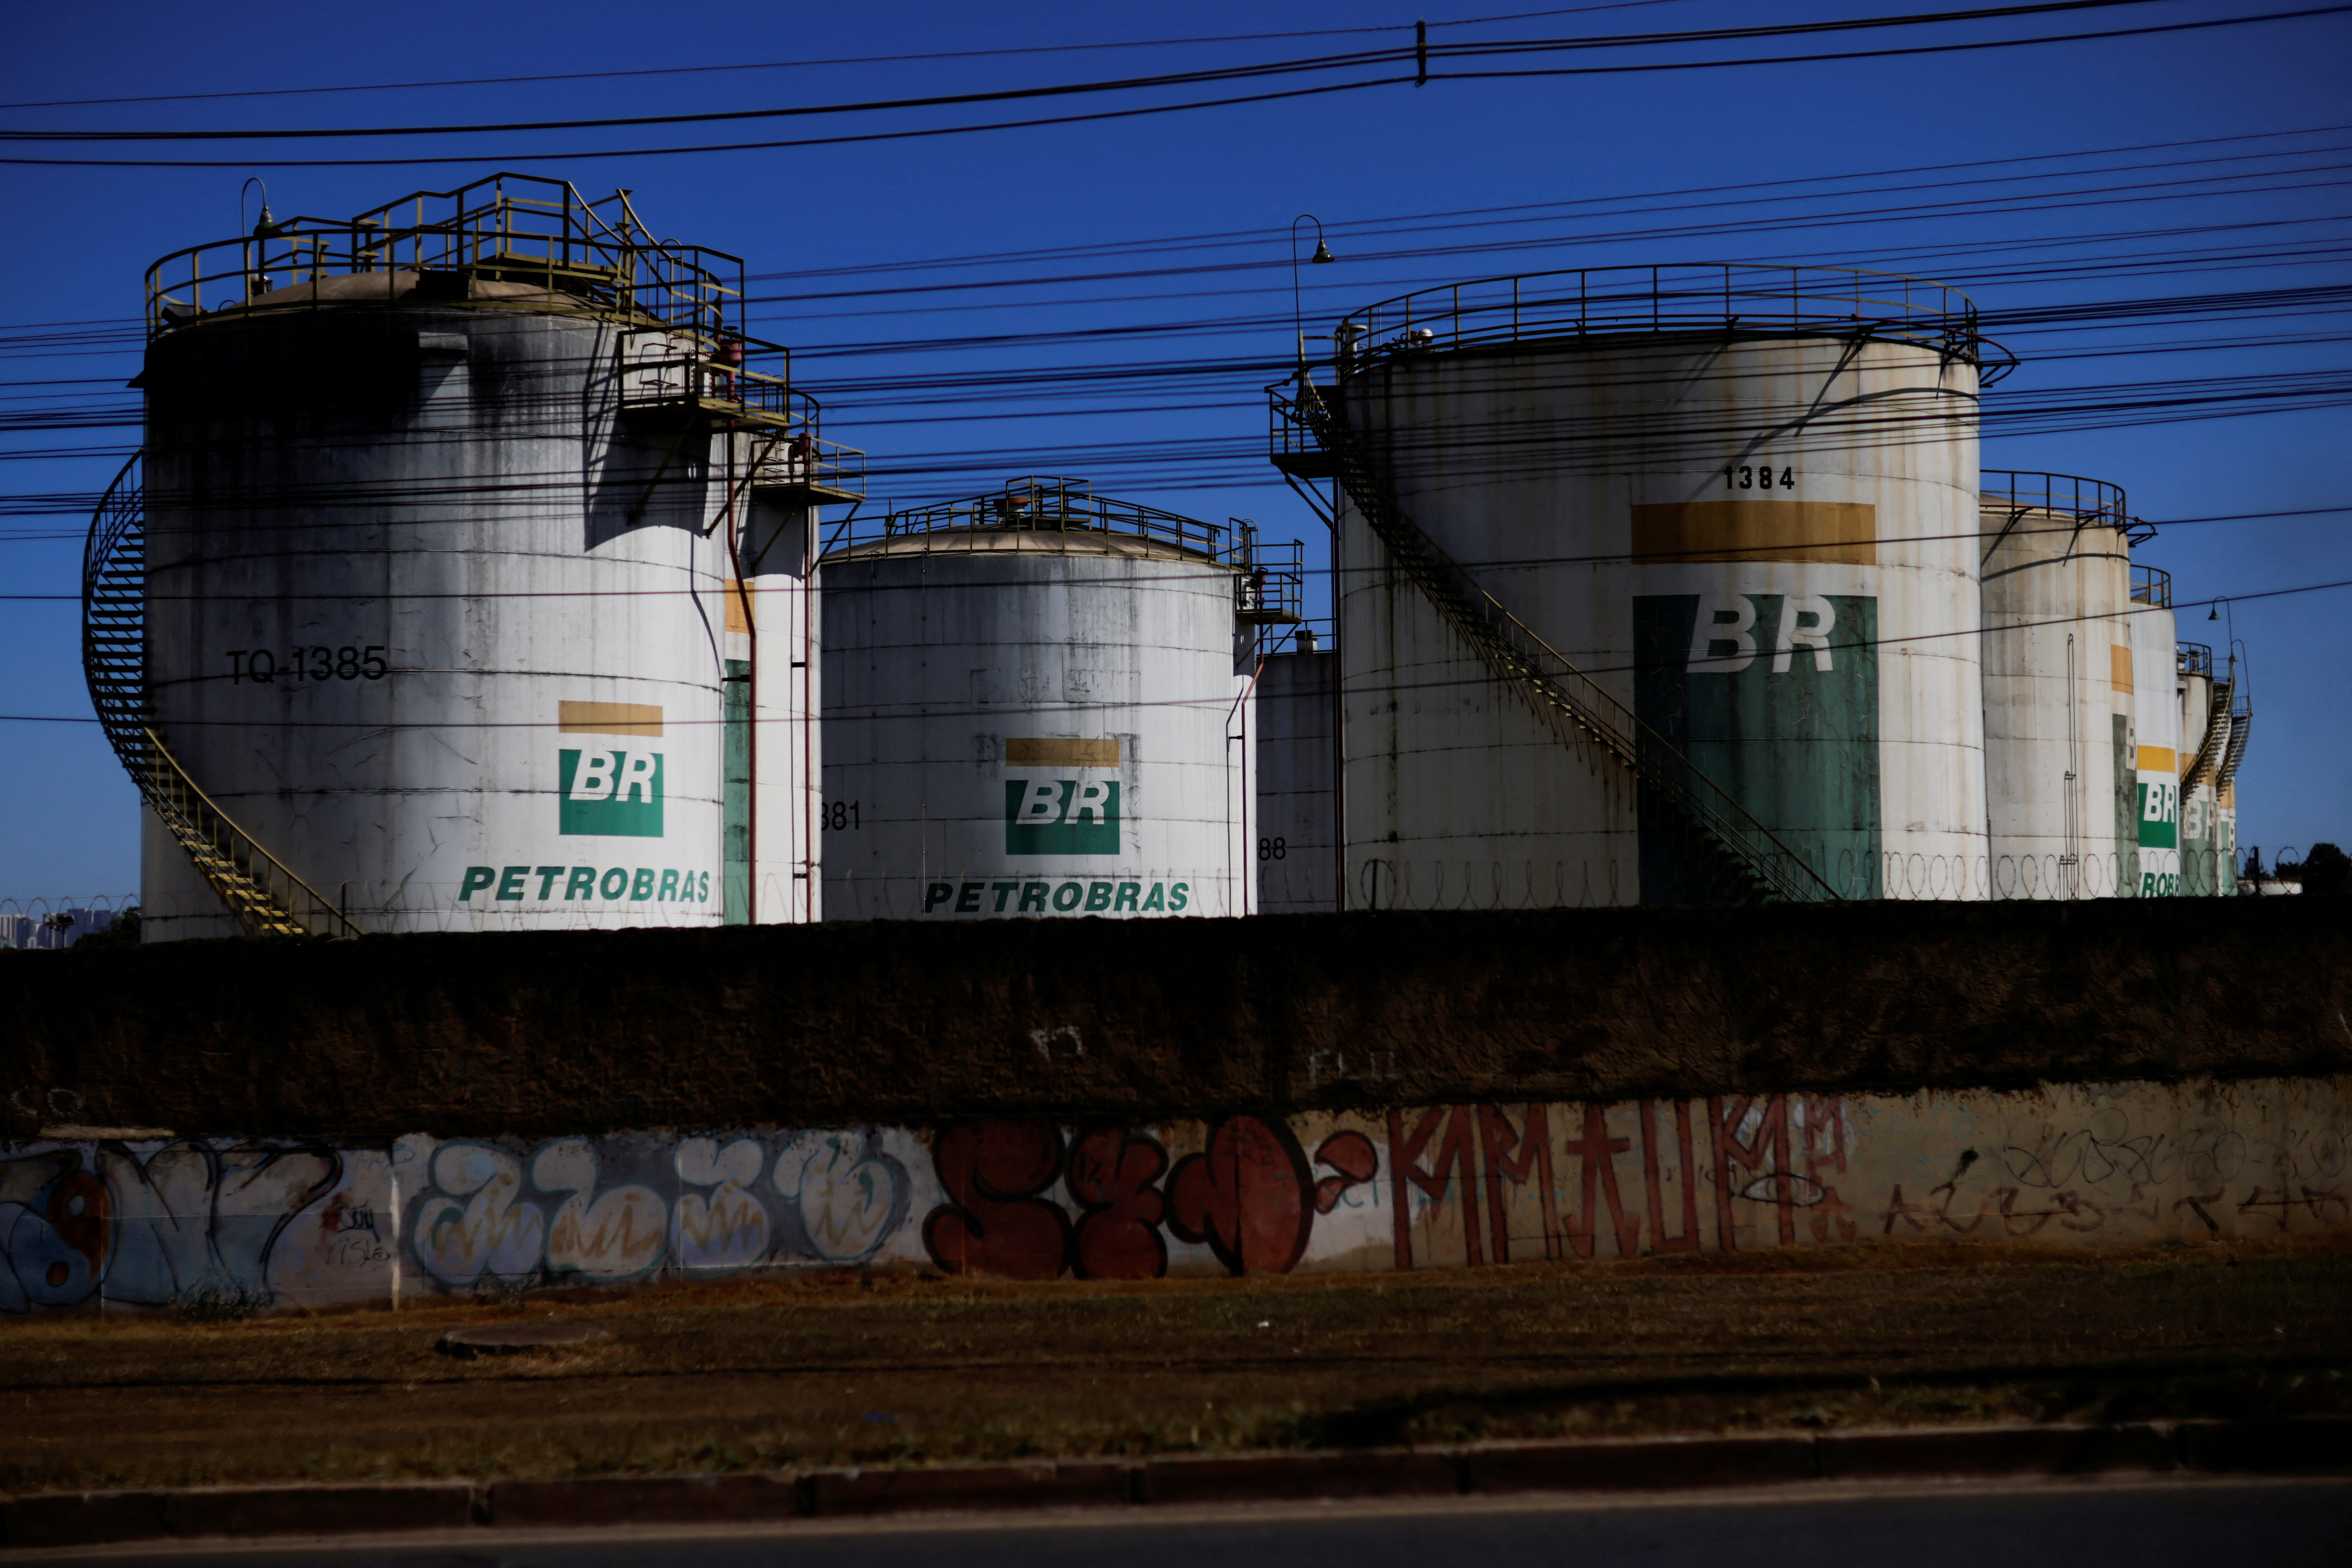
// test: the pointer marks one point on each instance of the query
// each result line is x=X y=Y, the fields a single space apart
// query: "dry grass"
x=827 y=1369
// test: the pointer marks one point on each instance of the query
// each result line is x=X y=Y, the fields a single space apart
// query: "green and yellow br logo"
x=1061 y=816
x=614 y=793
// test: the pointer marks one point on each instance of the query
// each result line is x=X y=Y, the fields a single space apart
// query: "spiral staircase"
x=267 y=898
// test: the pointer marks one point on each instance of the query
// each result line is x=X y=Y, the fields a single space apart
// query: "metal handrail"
x=2215 y=743
x=2194 y=658
x=1048 y=504
x=273 y=900
x=1272 y=586
x=1719 y=296
x=2242 y=729
x=2151 y=585
x=595 y=254
x=2090 y=503
x=684 y=370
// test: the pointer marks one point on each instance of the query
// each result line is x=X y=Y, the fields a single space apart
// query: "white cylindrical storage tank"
x=2056 y=565
x=2156 y=733
x=1297 y=762
x=1732 y=512
x=440 y=507
x=1034 y=705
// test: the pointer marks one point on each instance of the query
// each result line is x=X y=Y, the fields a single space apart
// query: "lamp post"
x=1322 y=254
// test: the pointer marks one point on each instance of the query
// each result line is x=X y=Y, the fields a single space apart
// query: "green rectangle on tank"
x=1779 y=707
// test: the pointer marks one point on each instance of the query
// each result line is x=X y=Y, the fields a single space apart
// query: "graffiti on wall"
x=1248 y=1198
x=579 y=1211
x=253 y=1224
x=189 y=1222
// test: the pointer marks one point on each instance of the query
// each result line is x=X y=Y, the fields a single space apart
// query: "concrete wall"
x=547 y=1036
x=256 y=1225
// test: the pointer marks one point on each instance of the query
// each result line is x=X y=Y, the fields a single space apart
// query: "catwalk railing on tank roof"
x=2151 y=585
x=1684 y=297
x=2089 y=504
x=1039 y=504
x=506 y=228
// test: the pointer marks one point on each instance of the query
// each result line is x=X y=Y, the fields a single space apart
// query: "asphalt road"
x=2276 y=1524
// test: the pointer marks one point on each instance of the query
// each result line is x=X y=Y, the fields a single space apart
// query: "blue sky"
x=931 y=360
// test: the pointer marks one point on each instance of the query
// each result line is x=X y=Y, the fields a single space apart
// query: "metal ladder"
x=267 y=898
x=1579 y=713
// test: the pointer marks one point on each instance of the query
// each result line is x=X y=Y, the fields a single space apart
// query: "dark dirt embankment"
x=592 y=1032
x=793 y=1370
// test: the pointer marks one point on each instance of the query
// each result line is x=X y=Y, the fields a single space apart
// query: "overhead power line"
x=1235 y=73
x=1120 y=84
x=734 y=67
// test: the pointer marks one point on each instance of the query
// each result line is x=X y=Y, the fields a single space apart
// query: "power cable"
x=1126 y=84
x=820 y=61
x=1235 y=73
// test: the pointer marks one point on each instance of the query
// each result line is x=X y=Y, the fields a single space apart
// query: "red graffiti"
x=1659 y=1240
x=77 y=1208
x=1111 y=1172
x=1787 y=1180
x=1405 y=1167
x=1352 y=1155
x=994 y=1223
x=1532 y=1138
x=1246 y=1196
x=1600 y=1152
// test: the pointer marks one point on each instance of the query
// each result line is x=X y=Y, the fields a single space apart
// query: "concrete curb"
x=2302 y=1446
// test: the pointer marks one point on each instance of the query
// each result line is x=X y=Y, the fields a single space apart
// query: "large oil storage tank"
x=1036 y=703
x=415 y=612
x=2156 y=736
x=2055 y=570
x=1656 y=584
x=1297 y=769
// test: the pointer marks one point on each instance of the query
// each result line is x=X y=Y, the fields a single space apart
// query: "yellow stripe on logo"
x=2157 y=759
x=1835 y=533
x=1054 y=752
x=609 y=718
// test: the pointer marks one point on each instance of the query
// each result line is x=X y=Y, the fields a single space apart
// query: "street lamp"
x=1322 y=254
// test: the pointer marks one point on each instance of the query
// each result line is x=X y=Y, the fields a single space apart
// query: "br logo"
x=608 y=789
x=2159 y=813
x=1061 y=816
x=612 y=795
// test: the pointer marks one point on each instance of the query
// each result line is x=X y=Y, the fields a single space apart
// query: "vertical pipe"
x=1338 y=719
x=2072 y=881
x=749 y=678
x=812 y=808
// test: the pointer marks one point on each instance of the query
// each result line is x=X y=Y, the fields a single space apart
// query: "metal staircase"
x=2242 y=729
x=1579 y=712
x=267 y=898
x=2215 y=746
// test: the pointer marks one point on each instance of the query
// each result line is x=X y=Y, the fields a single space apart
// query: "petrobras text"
x=1049 y=896
x=570 y=884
